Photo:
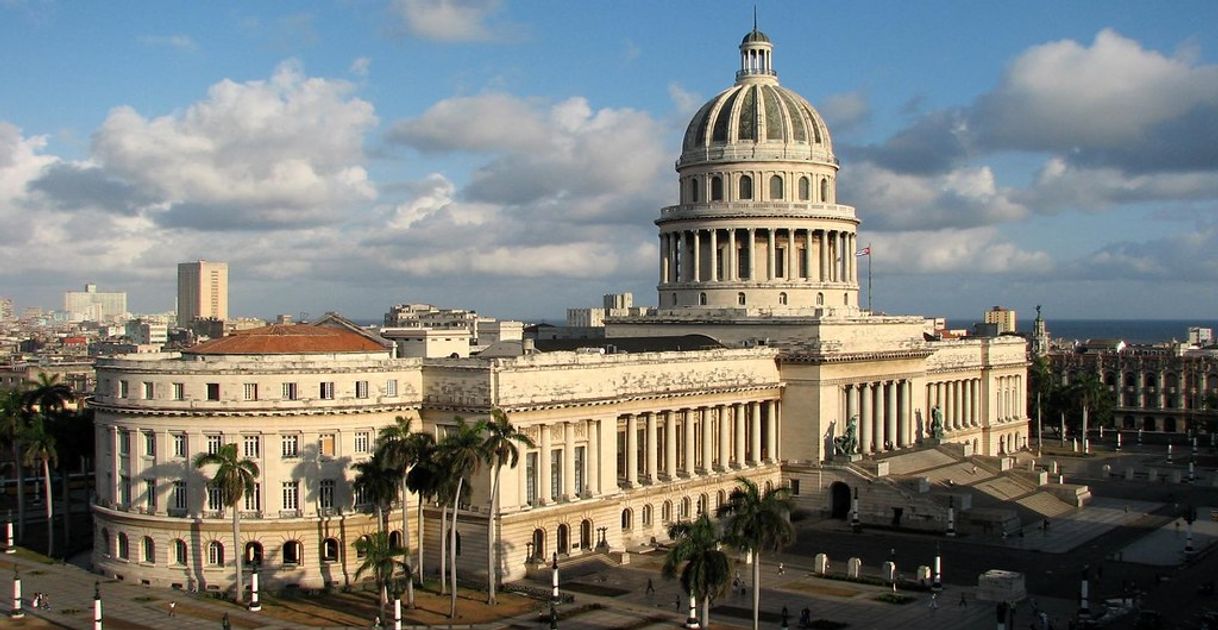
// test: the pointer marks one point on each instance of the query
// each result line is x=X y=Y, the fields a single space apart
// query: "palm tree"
x=422 y=479
x=1091 y=396
x=74 y=440
x=401 y=450
x=234 y=478
x=381 y=559
x=754 y=522
x=378 y=483
x=501 y=444
x=48 y=394
x=38 y=444
x=462 y=454
x=13 y=420
x=707 y=569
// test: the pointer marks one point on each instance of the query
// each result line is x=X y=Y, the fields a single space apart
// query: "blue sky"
x=510 y=156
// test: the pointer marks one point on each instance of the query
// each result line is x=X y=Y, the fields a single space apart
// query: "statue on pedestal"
x=847 y=443
x=936 y=423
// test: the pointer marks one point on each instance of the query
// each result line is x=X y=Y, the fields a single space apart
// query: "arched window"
x=124 y=551
x=395 y=539
x=149 y=549
x=647 y=515
x=702 y=501
x=716 y=188
x=782 y=299
x=805 y=190
x=702 y=299
x=740 y=298
x=685 y=505
x=820 y=299
x=361 y=551
x=179 y=552
x=329 y=550
x=824 y=190
x=539 y=543
x=846 y=299
x=693 y=190
x=674 y=299
x=746 y=187
x=775 y=187
x=253 y=553
x=564 y=539
x=215 y=553
x=293 y=552
x=627 y=519
x=720 y=497
x=109 y=542
x=666 y=512
x=585 y=534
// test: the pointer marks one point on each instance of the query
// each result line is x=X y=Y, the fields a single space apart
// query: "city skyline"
x=510 y=157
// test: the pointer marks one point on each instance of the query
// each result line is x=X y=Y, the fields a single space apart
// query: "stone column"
x=632 y=451
x=755 y=438
x=865 y=419
x=670 y=444
x=738 y=436
x=594 y=457
x=651 y=447
x=733 y=257
x=771 y=259
x=687 y=437
x=714 y=261
x=976 y=384
x=891 y=430
x=852 y=402
x=568 y=461
x=545 y=496
x=708 y=441
x=823 y=244
x=903 y=426
x=697 y=255
x=968 y=403
x=771 y=431
x=848 y=261
x=680 y=262
x=663 y=258
x=807 y=256
x=752 y=245
x=725 y=436
x=878 y=407
x=117 y=475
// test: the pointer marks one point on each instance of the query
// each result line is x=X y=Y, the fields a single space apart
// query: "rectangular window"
x=289 y=391
x=251 y=391
x=291 y=495
x=362 y=440
x=361 y=496
x=326 y=494
x=253 y=499
x=179 y=445
x=215 y=499
x=291 y=445
x=780 y=262
x=148 y=390
x=530 y=477
x=124 y=491
x=556 y=473
x=150 y=494
x=179 y=552
x=391 y=387
x=253 y=446
x=124 y=443
x=214 y=442
x=795 y=487
x=150 y=444
x=122 y=389
x=179 y=391
x=803 y=262
x=579 y=470
x=361 y=389
x=213 y=391
x=326 y=390
x=326 y=445
x=179 y=495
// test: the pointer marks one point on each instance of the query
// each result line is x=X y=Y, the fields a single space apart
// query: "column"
x=847 y=257
x=738 y=435
x=752 y=245
x=568 y=461
x=792 y=272
x=976 y=387
x=725 y=436
x=891 y=431
x=663 y=258
x=708 y=441
x=632 y=451
x=771 y=431
x=865 y=419
x=594 y=458
x=771 y=258
x=878 y=406
x=958 y=386
x=697 y=255
x=807 y=254
x=852 y=401
x=670 y=444
x=823 y=244
x=651 y=447
x=689 y=442
x=755 y=438
x=714 y=260
x=968 y=402
x=681 y=261
x=903 y=432
x=543 y=477
x=733 y=257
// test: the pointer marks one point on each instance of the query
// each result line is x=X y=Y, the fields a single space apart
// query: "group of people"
x=42 y=601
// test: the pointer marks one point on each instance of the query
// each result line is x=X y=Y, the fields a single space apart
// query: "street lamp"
x=554 y=580
x=16 y=612
x=97 y=611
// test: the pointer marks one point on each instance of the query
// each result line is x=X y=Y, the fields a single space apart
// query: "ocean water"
x=1130 y=330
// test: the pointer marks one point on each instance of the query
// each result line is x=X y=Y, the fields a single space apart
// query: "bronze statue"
x=846 y=443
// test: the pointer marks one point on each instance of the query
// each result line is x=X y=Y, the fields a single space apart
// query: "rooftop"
x=288 y=339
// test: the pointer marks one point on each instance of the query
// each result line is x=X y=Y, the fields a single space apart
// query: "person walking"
x=651 y=589
x=781 y=569
x=173 y=608
x=934 y=602
x=225 y=623
x=963 y=601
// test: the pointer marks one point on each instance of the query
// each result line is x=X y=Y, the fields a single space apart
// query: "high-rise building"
x=6 y=309
x=202 y=291
x=1003 y=317
x=92 y=305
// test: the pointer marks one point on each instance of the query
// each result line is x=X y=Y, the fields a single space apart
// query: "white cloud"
x=1061 y=185
x=452 y=20
x=361 y=66
x=685 y=102
x=973 y=250
x=488 y=122
x=184 y=43
x=962 y=197
x=845 y=111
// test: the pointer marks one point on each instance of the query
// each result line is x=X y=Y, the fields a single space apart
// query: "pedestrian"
x=963 y=601
x=676 y=602
x=225 y=623
x=376 y=623
x=651 y=589
x=781 y=569
x=173 y=605
x=934 y=602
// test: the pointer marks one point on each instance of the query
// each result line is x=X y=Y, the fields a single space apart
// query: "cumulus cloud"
x=452 y=20
x=1190 y=256
x=972 y=250
x=963 y=197
x=489 y=122
x=846 y=111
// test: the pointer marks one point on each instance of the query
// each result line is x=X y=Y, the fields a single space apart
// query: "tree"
x=423 y=479
x=461 y=454
x=38 y=444
x=707 y=569
x=13 y=421
x=74 y=440
x=501 y=446
x=1092 y=398
x=381 y=559
x=378 y=483
x=401 y=450
x=754 y=522
x=234 y=478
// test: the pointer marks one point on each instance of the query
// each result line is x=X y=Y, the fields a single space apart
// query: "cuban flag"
x=866 y=251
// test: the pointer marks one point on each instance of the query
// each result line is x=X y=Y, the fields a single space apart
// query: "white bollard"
x=16 y=612
x=692 y=620
x=397 y=612
x=554 y=580
x=255 y=605
x=937 y=584
x=97 y=611
x=9 y=546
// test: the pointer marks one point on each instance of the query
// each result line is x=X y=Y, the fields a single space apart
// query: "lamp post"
x=937 y=579
x=855 y=524
x=554 y=580
x=97 y=611
x=951 y=517
x=255 y=605
x=1084 y=607
x=1190 y=515
x=397 y=606
x=16 y=612
x=9 y=546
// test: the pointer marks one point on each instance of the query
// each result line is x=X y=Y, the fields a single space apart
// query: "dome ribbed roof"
x=761 y=112
x=755 y=36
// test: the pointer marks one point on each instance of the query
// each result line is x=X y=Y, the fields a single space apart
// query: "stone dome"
x=755 y=36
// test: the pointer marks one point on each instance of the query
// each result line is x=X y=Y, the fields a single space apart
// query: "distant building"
x=613 y=305
x=428 y=316
x=147 y=332
x=1003 y=317
x=92 y=305
x=202 y=291
x=6 y=309
x=428 y=342
x=1040 y=336
x=1200 y=336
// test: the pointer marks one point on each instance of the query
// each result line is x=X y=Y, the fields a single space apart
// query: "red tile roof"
x=288 y=339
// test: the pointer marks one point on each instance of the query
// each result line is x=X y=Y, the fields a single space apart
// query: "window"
x=782 y=299
x=775 y=187
x=391 y=387
x=740 y=299
x=556 y=473
x=251 y=391
x=215 y=499
x=702 y=299
x=213 y=391
x=122 y=389
x=253 y=446
x=289 y=391
x=627 y=519
x=647 y=515
x=292 y=552
x=149 y=444
x=179 y=495
x=579 y=470
x=795 y=487
x=179 y=391
x=325 y=495
x=124 y=443
x=124 y=550
x=362 y=439
x=214 y=443
x=124 y=490
x=291 y=496
x=666 y=512
x=179 y=445
x=804 y=189
x=530 y=477
x=326 y=445
x=253 y=553
x=150 y=494
x=329 y=550
x=326 y=390
x=361 y=389
x=361 y=547
x=215 y=553
x=820 y=299
x=824 y=190
x=693 y=190
x=291 y=445
x=780 y=262
x=149 y=550
x=361 y=496
x=716 y=188
x=253 y=498
x=746 y=187
x=148 y=389
x=685 y=508
x=179 y=551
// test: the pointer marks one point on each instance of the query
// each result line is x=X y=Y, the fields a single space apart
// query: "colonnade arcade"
x=726 y=255
x=883 y=410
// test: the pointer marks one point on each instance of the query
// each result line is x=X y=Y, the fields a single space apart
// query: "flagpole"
x=869 y=278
